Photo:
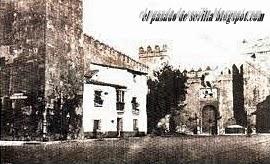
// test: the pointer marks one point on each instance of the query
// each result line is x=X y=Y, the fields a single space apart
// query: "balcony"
x=120 y=106
x=135 y=111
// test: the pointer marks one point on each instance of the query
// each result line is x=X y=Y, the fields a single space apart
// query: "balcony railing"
x=120 y=106
x=135 y=111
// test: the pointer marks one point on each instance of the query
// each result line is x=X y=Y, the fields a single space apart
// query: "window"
x=120 y=95
x=120 y=99
x=98 y=101
x=135 y=124
x=135 y=105
x=134 y=78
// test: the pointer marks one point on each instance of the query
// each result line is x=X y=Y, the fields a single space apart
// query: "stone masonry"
x=41 y=59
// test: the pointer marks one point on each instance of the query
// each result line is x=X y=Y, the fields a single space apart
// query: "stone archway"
x=209 y=119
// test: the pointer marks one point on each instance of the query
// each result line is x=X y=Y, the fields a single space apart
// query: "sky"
x=190 y=44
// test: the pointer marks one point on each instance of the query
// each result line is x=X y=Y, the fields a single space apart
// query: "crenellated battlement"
x=220 y=72
x=215 y=75
x=102 y=53
x=156 y=51
x=154 y=57
x=197 y=73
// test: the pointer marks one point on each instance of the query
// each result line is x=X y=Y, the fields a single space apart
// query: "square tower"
x=41 y=54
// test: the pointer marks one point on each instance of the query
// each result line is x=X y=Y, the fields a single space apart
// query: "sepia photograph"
x=146 y=81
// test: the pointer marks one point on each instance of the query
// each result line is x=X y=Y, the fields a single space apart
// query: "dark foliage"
x=167 y=91
x=238 y=97
x=65 y=121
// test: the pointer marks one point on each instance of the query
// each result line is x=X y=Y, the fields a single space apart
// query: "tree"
x=167 y=91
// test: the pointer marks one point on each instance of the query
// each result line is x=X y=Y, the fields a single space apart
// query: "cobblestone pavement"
x=196 y=149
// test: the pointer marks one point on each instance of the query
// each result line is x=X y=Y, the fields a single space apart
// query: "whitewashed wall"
x=106 y=113
x=136 y=87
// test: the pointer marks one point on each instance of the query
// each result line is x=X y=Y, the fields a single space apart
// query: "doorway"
x=119 y=126
x=209 y=120
x=96 y=128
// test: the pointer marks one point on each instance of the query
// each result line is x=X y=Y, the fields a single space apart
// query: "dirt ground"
x=188 y=149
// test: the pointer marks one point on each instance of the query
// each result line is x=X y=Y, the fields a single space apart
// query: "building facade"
x=115 y=89
x=257 y=82
x=115 y=102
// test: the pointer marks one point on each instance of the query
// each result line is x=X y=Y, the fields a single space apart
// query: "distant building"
x=257 y=80
x=258 y=49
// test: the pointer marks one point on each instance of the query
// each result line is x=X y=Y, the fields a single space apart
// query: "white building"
x=114 y=102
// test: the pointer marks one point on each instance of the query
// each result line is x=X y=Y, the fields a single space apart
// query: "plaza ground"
x=187 y=149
